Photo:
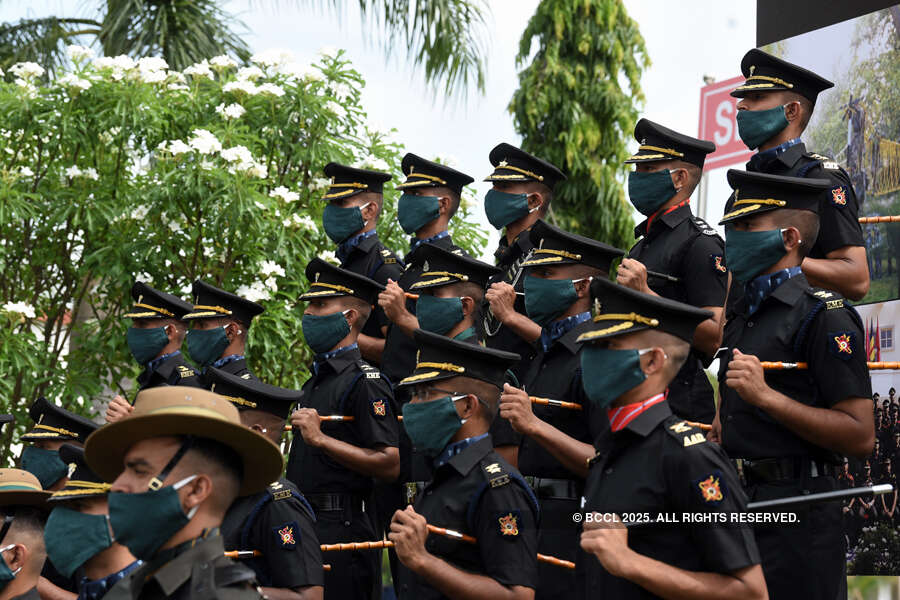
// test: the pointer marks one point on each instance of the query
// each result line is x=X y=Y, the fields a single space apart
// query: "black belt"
x=329 y=502
x=562 y=489
x=768 y=470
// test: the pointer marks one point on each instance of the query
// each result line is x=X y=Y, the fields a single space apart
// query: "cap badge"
x=425 y=267
x=752 y=69
x=316 y=280
x=140 y=298
x=502 y=163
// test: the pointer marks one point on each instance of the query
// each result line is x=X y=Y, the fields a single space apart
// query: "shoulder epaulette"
x=827 y=163
x=684 y=433
x=831 y=299
x=704 y=227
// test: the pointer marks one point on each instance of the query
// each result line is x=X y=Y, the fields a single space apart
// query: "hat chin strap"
x=157 y=482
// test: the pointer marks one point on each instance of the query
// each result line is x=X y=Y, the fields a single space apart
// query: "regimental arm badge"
x=286 y=535
x=841 y=344
x=718 y=263
x=839 y=196
x=379 y=408
x=509 y=524
x=711 y=489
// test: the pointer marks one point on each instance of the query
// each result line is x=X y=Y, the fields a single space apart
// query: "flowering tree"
x=121 y=169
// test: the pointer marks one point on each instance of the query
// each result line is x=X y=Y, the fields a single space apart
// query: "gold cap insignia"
x=502 y=163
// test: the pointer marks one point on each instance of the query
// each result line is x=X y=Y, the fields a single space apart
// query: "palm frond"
x=446 y=38
x=181 y=31
x=41 y=40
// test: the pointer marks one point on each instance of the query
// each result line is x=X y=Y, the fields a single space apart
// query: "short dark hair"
x=806 y=222
x=806 y=107
x=225 y=462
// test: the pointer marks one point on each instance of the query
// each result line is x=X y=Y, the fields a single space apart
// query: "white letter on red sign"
x=725 y=120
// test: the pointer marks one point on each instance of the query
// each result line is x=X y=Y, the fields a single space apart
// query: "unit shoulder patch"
x=509 y=523
x=842 y=344
x=718 y=263
x=711 y=488
x=287 y=534
x=379 y=407
x=839 y=196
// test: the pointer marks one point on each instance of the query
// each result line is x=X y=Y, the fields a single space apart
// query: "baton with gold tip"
x=872 y=220
x=377 y=545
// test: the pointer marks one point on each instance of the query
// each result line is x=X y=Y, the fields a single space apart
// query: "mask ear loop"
x=180 y=484
x=157 y=482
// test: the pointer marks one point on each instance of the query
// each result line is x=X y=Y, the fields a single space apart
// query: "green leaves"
x=577 y=104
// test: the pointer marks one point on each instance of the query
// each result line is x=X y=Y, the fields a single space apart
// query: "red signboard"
x=717 y=124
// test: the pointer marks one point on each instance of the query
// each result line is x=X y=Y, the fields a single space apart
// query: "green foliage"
x=120 y=170
x=577 y=104
x=877 y=552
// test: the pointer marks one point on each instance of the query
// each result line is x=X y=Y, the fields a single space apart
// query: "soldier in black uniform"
x=22 y=554
x=53 y=427
x=277 y=522
x=431 y=196
x=334 y=463
x=77 y=535
x=789 y=428
x=176 y=464
x=155 y=338
x=684 y=254
x=355 y=201
x=521 y=194
x=654 y=462
x=554 y=441
x=776 y=104
x=220 y=323
x=474 y=491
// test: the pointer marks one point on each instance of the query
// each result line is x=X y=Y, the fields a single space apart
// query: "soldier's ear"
x=468 y=305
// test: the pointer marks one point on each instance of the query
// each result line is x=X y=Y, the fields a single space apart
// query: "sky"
x=685 y=42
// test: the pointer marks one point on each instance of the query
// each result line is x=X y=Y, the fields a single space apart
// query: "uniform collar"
x=364 y=241
x=177 y=570
x=455 y=448
x=788 y=156
x=621 y=416
x=672 y=218
x=94 y=589
x=415 y=242
x=558 y=329
x=227 y=359
x=761 y=287
x=164 y=365
x=646 y=422
x=337 y=359
x=780 y=148
x=507 y=253
x=791 y=290
x=471 y=454
x=154 y=364
x=465 y=334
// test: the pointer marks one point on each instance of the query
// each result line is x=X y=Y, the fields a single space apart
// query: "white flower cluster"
x=21 y=308
x=74 y=83
x=222 y=62
x=174 y=147
x=328 y=256
x=245 y=86
x=205 y=142
x=27 y=70
x=295 y=221
x=251 y=73
x=285 y=194
x=232 y=111
x=375 y=163
x=200 y=69
x=270 y=267
x=78 y=54
x=89 y=173
x=256 y=291
x=152 y=69
x=117 y=65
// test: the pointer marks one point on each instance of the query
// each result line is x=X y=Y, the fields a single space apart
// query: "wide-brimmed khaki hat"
x=178 y=411
x=21 y=488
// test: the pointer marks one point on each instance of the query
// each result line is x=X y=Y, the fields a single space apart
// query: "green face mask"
x=749 y=253
x=205 y=346
x=503 y=208
x=649 y=191
x=756 y=127
x=438 y=315
x=146 y=344
x=430 y=425
x=547 y=299
x=340 y=223
x=607 y=374
x=324 y=332
x=46 y=465
x=6 y=574
x=145 y=521
x=415 y=212
x=72 y=538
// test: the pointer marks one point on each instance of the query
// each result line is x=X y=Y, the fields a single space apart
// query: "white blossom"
x=152 y=63
x=250 y=73
x=238 y=154
x=258 y=170
x=375 y=163
x=139 y=213
x=328 y=51
x=27 y=70
x=299 y=71
x=25 y=172
x=232 y=111
x=222 y=62
x=270 y=267
x=74 y=82
x=259 y=205
x=328 y=256
x=28 y=89
x=205 y=142
x=152 y=76
x=22 y=308
x=200 y=69
x=79 y=53
x=319 y=183
x=336 y=108
x=73 y=171
x=342 y=91
x=254 y=292
x=177 y=87
x=247 y=87
x=285 y=194
x=270 y=89
x=273 y=57
x=175 y=147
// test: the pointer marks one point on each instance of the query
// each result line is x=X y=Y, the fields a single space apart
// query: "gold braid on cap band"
x=155 y=308
x=562 y=253
x=446 y=273
x=517 y=170
x=775 y=80
x=668 y=151
x=770 y=201
x=441 y=366
x=627 y=317
x=218 y=309
x=331 y=286
x=82 y=487
x=423 y=176
x=54 y=430
x=239 y=401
